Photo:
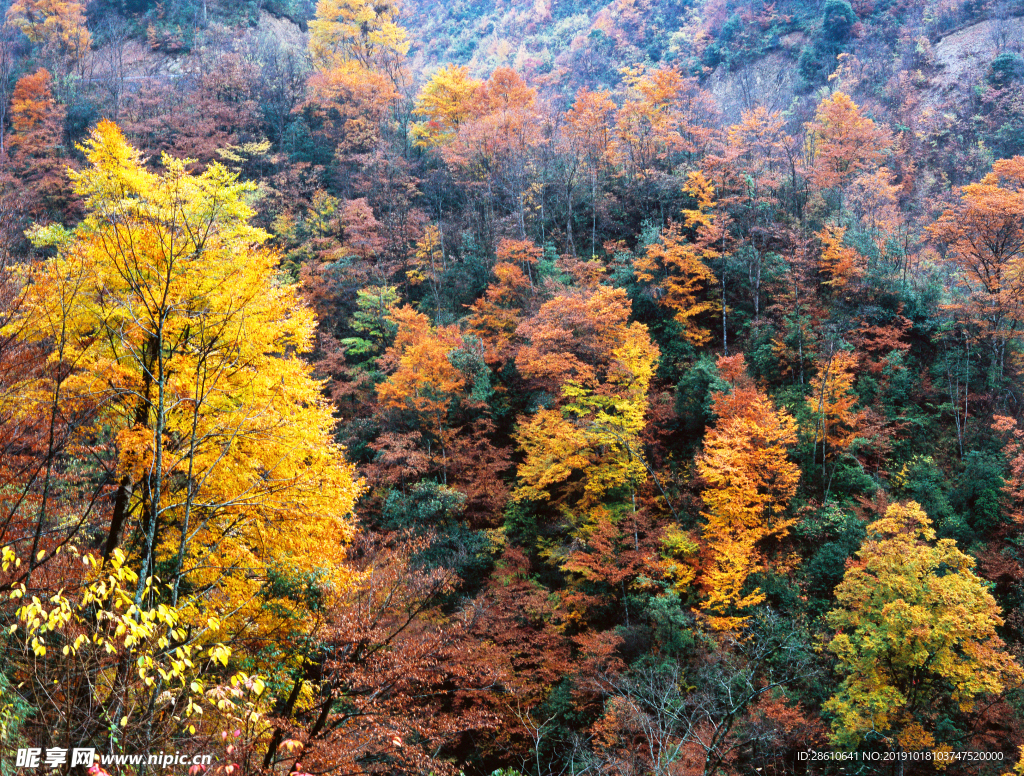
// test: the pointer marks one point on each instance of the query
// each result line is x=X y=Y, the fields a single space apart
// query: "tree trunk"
x=725 y=323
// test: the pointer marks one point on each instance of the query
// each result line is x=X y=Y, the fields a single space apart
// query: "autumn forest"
x=619 y=388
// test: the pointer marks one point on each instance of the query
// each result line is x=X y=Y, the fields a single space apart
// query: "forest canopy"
x=510 y=389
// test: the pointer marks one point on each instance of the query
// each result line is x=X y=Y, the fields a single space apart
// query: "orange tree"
x=831 y=406
x=983 y=240
x=750 y=481
x=842 y=142
x=674 y=268
x=37 y=125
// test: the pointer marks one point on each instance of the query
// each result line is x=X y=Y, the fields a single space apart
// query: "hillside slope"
x=627 y=388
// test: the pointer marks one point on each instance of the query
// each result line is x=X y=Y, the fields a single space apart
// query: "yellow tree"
x=595 y=433
x=749 y=481
x=98 y=659
x=358 y=52
x=585 y=458
x=916 y=632
x=583 y=348
x=445 y=103
x=225 y=472
x=358 y=34
x=57 y=26
x=429 y=264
